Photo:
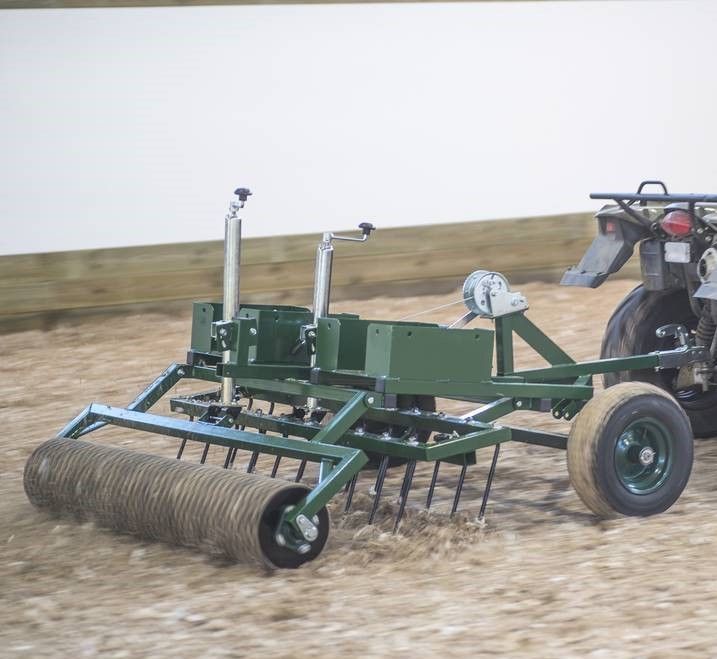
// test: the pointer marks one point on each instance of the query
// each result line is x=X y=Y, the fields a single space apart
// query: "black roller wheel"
x=630 y=451
x=631 y=331
x=404 y=402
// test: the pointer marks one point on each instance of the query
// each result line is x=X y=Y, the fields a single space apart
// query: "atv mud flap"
x=610 y=250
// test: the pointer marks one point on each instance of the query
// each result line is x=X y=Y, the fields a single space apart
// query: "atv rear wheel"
x=631 y=331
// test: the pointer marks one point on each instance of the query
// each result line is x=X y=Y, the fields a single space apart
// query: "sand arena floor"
x=541 y=578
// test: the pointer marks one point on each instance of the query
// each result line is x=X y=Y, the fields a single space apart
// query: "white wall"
x=133 y=126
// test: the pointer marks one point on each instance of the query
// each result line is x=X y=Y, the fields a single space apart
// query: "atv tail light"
x=677 y=223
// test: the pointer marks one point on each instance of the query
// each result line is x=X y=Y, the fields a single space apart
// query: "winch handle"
x=366 y=229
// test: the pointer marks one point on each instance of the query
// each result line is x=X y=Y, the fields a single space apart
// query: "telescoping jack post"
x=232 y=267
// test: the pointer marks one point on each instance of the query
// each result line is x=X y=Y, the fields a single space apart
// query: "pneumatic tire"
x=630 y=451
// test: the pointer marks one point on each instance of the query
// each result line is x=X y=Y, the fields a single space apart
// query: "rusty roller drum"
x=216 y=510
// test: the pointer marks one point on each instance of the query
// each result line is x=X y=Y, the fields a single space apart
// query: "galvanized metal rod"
x=232 y=261
x=322 y=277
x=322 y=291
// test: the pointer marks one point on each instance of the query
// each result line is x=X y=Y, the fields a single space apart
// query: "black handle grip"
x=366 y=228
x=652 y=182
x=242 y=193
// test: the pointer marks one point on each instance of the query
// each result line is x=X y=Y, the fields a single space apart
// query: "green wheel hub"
x=643 y=456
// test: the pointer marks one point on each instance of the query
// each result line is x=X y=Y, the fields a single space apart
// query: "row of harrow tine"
x=380 y=478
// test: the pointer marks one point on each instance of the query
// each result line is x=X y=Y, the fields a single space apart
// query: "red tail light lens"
x=677 y=223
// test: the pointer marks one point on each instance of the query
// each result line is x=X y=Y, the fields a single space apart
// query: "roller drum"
x=214 y=509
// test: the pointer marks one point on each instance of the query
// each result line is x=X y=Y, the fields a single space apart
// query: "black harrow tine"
x=459 y=489
x=184 y=443
x=204 y=453
x=181 y=449
x=350 y=492
x=229 y=461
x=300 y=472
x=405 y=489
x=432 y=487
x=233 y=458
x=275 y=468
x=382 y=469
x=231 y=452
x=252 y=462
x=488 y=483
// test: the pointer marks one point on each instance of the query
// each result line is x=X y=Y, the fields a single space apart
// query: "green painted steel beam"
x=229 y=437
x=579 y=369
x=538 y=340
x=539 y=437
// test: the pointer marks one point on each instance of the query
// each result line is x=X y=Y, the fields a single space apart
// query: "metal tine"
x=231 y=456
x=382 y=469
x=275 y=468
x=183 y=444
x=204 y=453
x=432 y=487
x=300 y=472
x=488 y=483
x=351 y=486
x=181 y=448
x=459 y=489
x=405 y=489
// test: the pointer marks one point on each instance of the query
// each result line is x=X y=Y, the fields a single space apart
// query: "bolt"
x=252 y=331
x=304 y=549
x=370 y=400
x=280 y=540
x=181 y=373
x=647 y=456
x=222 y=332
x=519 y=403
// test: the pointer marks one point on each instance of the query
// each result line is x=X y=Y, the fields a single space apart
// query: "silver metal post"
x=322 y=277
x=232 y=263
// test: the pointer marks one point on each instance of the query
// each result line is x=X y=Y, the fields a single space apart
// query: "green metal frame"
x=456 y=367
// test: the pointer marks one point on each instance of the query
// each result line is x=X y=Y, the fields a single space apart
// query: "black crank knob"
x=242 y=193
x=367 y=228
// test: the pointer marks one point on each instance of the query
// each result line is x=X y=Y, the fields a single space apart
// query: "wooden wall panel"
x=420 y=259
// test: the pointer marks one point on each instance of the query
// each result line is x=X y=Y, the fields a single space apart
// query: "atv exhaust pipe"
x=232 y=267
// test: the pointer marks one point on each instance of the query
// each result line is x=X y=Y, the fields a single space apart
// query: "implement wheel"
x=630 y=451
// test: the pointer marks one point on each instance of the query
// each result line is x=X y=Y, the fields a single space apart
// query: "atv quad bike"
x=677 y=237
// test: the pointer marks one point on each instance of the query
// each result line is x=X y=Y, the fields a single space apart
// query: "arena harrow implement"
x=358 y=397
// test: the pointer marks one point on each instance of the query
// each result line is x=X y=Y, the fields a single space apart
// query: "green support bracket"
x=504 y=344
